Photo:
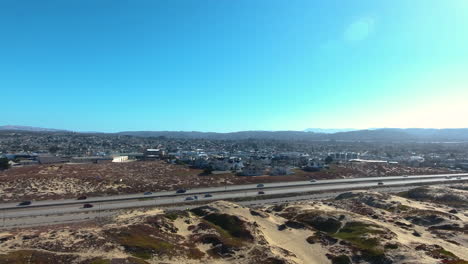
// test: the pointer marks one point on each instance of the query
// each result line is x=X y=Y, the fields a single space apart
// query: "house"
x=313 y=165
x=253 y=169
x=279 y=170
x=236 y=164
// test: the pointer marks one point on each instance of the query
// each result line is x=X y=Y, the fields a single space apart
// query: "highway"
x=170 y=195
x=86 y=215
x=72 y=210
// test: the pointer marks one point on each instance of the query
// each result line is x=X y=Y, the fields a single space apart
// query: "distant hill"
x=329 y=130
x=382 y=135
x=279 y=135
x=30 y=129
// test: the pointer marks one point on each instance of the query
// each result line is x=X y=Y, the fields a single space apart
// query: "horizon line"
x=199 y=131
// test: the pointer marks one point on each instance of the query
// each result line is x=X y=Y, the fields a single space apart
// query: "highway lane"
x=226 y=189
x=164 y=201
x=54 y=219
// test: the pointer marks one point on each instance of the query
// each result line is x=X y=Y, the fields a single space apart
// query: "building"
x=120 y=159
x=280 y=171
x=344 y=156
x=91 y=159
x=253 y=169
x=26 y=162
x=153 y=154
x=51 y=160
x=313 y=165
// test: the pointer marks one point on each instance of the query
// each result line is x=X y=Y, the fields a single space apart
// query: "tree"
x=4 y=164
x=328 y=160
x=53 y=149
x=209 y=169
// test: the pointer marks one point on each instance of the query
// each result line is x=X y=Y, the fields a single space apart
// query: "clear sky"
x=230 y=65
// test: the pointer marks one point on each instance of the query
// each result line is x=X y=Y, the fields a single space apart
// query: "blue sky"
x=230 y=65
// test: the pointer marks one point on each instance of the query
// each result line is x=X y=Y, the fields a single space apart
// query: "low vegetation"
x=358 y=233
x=334 y=230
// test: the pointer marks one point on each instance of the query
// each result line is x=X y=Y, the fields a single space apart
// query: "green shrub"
x=171 y=216
x=341 y=259
x=356 y=233
x=391 y=246
x=231 y=224
x=100 y=261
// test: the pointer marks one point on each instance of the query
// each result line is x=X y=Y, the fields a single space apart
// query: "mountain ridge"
x=31 y=128
x=382 y=134
x=329 y=130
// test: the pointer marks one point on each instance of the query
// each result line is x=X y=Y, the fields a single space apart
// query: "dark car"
x=147 y=193
x=313 y=180
x=83 y=197
x=181 y=191
x=189 y=199
x=208 y=195
x=380 y=183
x=261 y=192
x=87 y=206
x=23 y=203
x=260 y=185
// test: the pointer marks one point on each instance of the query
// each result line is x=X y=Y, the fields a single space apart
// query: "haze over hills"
x=383 y=134
x=329 y=130
x=30 y=128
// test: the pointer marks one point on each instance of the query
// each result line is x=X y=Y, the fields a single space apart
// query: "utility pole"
x=99 y=213
x=225 y=181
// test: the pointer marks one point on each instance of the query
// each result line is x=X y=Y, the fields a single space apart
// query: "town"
x=244 y=157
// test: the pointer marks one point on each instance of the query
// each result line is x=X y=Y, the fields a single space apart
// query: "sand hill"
x=418 y=226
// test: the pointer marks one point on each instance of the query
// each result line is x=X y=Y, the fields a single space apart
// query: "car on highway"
x=261 y=192
x=260 y=185
x=147 y=193
x=181 y=191
x=189 y=199
x=83 y=197
x=24 y=203
x=208 y=195
x=313 y=180
x=380 y=183
x=87 y=205
x=405 y=176
x=447 y=177
x=459 y=178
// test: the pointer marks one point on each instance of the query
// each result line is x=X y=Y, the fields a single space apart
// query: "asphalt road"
x=86 y=215
x=61 y=211
x=229 y=188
